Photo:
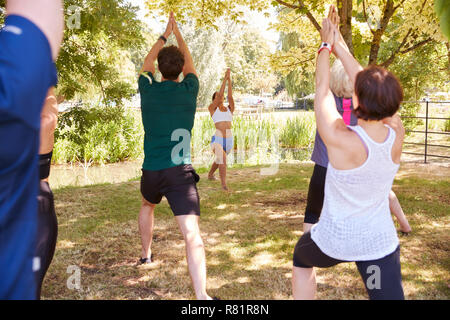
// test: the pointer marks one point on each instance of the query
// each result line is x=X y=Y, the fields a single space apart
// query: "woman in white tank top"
x=355 y=223
x=222 y=142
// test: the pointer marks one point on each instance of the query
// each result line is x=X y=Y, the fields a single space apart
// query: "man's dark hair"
x=170 y=62
x=379 y=93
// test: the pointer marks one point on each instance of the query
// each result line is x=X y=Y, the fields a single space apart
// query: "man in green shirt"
x=168 y=111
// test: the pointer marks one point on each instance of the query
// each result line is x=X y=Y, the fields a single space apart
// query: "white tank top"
x=356 y=223
x=220 y=116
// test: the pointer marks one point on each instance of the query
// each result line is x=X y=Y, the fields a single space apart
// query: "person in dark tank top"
x=342 y=89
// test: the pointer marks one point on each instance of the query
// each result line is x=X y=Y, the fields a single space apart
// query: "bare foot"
x=225 y=188
x=212 y=178
x=405 y=227
x=405 y=230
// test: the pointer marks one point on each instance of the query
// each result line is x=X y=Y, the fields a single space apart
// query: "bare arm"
x=212 y=107
x=329 y=121
x=222 y=88
x=215 y=104
x=395 y=122
x=340 y=49
x=49 y=119
x=149 y=62
x=46 y=14
x=188 y=61
x=230 y=92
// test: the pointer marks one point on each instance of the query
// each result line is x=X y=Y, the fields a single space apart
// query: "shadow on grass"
x=249 y=238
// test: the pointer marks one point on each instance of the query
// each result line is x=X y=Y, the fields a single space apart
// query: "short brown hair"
x=170 y=62
x=379 y=93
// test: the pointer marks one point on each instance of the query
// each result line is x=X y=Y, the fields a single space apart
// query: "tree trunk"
x=345 y=15
x=388 y=12
x=448 y=55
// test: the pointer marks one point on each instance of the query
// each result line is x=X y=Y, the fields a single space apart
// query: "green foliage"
x=298 y=132
x=447 y=124
x=423 y=70
x=247 y=131
x=411 y=45
x=305 y=104
x=442 y=8
x=97 y=135
x=246 y=53
x=204 y=12
x=299 y=82
x=409 y=110
x=205 y=45
x=106 y=135
x=94 y=61
x=242 y=49
x=251 y=135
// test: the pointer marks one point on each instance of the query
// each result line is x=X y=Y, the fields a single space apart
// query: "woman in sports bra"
x=47 y=230
x=222 y=141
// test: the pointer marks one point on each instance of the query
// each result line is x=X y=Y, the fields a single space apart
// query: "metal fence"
x=444 y=107
x=425 y=115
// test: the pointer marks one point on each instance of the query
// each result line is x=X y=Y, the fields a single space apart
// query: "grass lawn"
x=249 y=237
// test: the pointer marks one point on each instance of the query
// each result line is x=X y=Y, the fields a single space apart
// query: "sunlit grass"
x=249 y=236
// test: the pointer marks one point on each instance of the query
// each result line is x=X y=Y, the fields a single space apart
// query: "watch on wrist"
x=163 y=39
x=325 y=45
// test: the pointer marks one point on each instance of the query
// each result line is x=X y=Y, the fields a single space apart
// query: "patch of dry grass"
x=249 y=237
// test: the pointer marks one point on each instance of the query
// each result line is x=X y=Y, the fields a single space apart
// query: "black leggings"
x=314 y=203
x=382 y=278
x=47 y=233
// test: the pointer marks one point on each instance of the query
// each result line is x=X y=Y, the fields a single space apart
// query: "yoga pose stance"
x=47 y=231
x=29 y=45
x=222 y=141
x=168 y=111
x=355 y=224
x=342 y=89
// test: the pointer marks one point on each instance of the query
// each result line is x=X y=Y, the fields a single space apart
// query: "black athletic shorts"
x=178 y=184
x=307 y=255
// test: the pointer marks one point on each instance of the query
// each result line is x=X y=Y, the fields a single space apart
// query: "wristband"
x=163 y=39
x=325 y=45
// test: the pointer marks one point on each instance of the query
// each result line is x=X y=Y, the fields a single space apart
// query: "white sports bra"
x=220 y=116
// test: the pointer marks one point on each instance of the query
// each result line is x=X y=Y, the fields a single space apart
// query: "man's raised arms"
x=149 y=62
x=188 y=61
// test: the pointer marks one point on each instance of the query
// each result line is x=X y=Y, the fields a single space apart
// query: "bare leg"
x=304 y=284
x=146 y=223
x=214 y=167
x=307 y=227
x=195 y=253
x=397 y=211
x=223 y=171
x=221 y=162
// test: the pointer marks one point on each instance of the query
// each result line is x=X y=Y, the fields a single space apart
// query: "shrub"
x=98 y=135
x=298 y=132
